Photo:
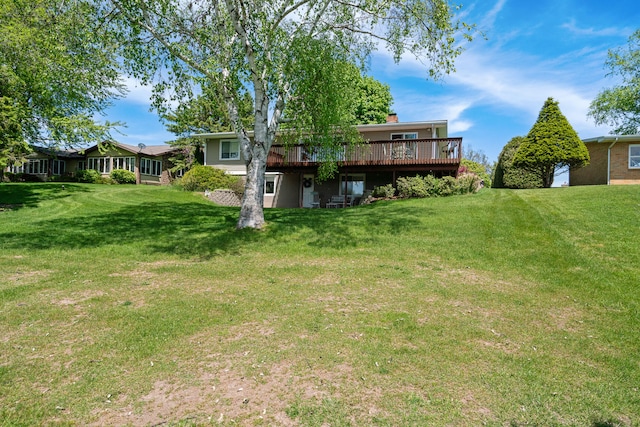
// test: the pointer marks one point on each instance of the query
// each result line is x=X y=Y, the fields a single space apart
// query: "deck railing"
x=438 y=151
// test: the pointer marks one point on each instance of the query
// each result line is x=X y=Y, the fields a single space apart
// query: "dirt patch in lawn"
x=221 y=393
x=26 y=277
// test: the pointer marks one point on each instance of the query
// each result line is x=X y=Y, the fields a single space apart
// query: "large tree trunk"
x=255 y=154
x=251 y=212
x=547 y=176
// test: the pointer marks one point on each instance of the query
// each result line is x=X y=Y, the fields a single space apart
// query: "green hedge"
x=90 y=175
x=430 y=186
x=122 y=176
x=202 y=178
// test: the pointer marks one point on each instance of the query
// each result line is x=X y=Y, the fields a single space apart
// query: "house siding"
x=287 y=193
x=212 y=158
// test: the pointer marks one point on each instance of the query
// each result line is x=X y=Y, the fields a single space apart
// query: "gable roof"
x=53 y=152
x=151 y=150
x=612 y=138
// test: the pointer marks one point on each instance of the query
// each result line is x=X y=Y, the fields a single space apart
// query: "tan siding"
x=423 y=133
x=213 y=158
x=620 y=172
x=287 y=191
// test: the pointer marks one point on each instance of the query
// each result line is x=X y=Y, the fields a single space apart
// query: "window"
x=58 y=167
x=17 y=169
x=126 y=163
x=150 y=167
x=634 y=156
x=101 y=164
x=355 y=185
x=270 y=184
x=229 y=150
x=38 y=166
x=82 y=165
x=406 y=135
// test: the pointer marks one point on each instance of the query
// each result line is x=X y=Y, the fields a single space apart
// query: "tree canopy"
x=294 y=57
x=204 y=113
x=619 y=106
x=373 y=101
x=551 y=146
x=57 y=72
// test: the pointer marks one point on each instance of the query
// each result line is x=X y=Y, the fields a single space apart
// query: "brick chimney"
x=392 y=118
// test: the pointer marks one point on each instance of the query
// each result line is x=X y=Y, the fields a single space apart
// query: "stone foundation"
x=223 y=197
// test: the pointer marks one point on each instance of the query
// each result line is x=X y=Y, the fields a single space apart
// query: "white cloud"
x=490 y=18
x=572 y=27
x=137 y=92
x=513 y=82
x=157 y=137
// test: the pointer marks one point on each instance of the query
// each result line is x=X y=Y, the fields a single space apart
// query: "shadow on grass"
x=203 y=230
x=16 y=196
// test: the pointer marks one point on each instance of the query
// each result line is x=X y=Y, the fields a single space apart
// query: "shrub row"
x=20 y=177
x=118 y=176
x=202 y=178
x=429 y=186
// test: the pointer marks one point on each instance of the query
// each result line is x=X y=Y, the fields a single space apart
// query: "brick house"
x=615 y=160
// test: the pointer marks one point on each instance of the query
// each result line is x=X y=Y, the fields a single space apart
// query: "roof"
x=56 y=153
x=612 y=138
x=361 y=128
x=149 y=150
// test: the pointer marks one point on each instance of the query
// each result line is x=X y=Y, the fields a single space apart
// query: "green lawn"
x=139 y=305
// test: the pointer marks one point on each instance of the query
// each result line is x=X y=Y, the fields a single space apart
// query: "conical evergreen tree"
x=551 y=146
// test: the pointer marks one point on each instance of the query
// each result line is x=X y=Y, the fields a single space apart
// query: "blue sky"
x=534 y=50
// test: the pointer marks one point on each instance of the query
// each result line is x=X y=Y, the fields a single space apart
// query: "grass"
x=136 y=305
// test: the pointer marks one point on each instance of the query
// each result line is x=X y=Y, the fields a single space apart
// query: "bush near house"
x=122 y=176
x=202 y=178
x=470 y=167
x=428 y=186
x=90 y=176
x=20 y=177
x=384 y=191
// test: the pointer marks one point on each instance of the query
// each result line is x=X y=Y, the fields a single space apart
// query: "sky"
x=531 y=50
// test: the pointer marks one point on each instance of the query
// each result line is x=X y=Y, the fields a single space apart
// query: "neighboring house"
x=45 y=162
x=615 y=160
x=390 y=150
x=150 y=164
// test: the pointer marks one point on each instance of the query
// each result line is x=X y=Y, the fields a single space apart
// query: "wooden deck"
x=439 y=152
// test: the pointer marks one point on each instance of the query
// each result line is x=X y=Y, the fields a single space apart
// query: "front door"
x=308 y=183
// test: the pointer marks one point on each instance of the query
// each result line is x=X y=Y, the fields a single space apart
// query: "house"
x=46 y=162
x=615 y=160
x=390 y=150
x=151 y=164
